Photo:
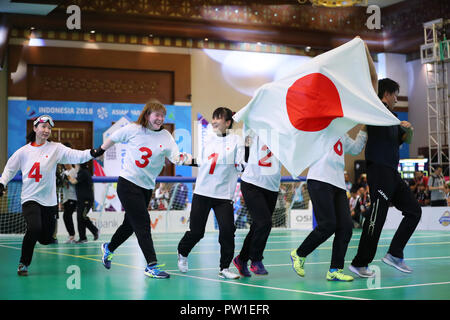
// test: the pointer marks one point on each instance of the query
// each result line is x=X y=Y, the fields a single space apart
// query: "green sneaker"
x=298 y=263
x=338 y=275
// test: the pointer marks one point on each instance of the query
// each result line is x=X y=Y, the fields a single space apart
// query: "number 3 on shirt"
x=148 y=154
x=35 y=172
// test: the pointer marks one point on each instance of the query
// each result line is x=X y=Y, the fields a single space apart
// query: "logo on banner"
x=102 y=113
x=445 y=219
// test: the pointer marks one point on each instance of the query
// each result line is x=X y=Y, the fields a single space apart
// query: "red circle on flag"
x=313 y=102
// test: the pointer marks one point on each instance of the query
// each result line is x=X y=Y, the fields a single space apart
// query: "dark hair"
x=67 y=144
x=31 y=136
x=225 y=113
x=387 y=85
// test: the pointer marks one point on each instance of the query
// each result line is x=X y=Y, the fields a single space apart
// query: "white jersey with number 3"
x=330 y=168
x=145 y=154
x=219 y=163
x=38 y=166
x=263 y=169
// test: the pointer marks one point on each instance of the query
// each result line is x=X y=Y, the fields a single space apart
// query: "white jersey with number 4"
x=146 y=153
x=263 y=169
x=330 y=168
x=38 y=166
x=219 y=161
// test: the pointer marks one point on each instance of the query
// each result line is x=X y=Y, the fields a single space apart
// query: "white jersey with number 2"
x=263 y=168
x=38 y=166
x=146 y=152
x=220 y=162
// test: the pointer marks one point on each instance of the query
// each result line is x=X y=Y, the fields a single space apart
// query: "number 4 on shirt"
x=35 y=172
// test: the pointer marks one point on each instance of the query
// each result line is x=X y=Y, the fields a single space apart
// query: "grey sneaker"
x=182 y=263
x=397 y=263
x=363 y=272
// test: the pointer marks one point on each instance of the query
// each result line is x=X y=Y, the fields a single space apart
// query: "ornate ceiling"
x=266 y=21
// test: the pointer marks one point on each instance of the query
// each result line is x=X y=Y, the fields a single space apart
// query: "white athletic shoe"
x=227 y=274
x=182 y=263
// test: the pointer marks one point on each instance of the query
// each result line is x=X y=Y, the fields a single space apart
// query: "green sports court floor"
x=72 y=271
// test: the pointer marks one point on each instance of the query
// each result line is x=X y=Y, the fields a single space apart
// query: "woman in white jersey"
x=327 y=190
x=37 y=161
x=260 y=183
x=326 y=187
x=148 y=145
x=219 y=163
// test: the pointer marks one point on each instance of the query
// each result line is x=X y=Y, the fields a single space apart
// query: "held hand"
x=2 y=189
x=97 y=152
x=406 y=125
x=186 y=158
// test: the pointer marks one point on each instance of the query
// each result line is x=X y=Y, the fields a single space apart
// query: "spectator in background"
x=352 y=202
x=362 y=180
x=162 y=196
x=362 y=205
x=348 y=184
x=69 y=199
x=84 y=188
x=179 y=193
x=301 y=196
x=422 y=195
x=447 y=193
x=436 y=186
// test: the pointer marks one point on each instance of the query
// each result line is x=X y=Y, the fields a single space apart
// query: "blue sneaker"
x=258 y=268
x=22 y=270
x=107 y=256
x=242 y=267
x=154 y=271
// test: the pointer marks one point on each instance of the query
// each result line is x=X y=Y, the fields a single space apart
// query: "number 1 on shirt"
x=213 y=156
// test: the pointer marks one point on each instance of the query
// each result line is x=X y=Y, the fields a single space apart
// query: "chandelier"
x=334 y=3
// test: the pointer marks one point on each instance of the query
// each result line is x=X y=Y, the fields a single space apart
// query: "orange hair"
x=152 y=105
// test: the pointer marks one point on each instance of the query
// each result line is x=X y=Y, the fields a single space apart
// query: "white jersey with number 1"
x=146 y=153
x=38 y=166
x=219 y=162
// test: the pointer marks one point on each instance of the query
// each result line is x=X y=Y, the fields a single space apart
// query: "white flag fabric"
x=312 y=107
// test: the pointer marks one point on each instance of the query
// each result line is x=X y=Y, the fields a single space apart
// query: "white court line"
x=392 y=287
x=233 y=282
x=86 y=246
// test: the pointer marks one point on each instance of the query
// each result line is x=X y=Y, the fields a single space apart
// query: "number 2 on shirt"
x=265 y=162
x=148 y=154
x=35 y=172
x=213 y=156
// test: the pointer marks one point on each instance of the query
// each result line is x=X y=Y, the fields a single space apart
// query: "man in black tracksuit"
x=386 y=186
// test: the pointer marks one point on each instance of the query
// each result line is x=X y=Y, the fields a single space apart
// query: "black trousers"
x=135 y=201
x=69 y=208
x=41 y=222
x=332 y=213
x=386 y=185
x=223 y=210
x=83 y=220
x=439 y=203
x=261 y=204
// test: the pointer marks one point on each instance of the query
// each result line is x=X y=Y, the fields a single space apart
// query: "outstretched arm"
x=372 y=69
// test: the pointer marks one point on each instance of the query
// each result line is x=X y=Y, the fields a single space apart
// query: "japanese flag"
x=311 y=108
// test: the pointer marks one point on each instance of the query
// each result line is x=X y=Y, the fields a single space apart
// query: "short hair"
x=225 y=113
x=152 y=105
x=387 y=85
